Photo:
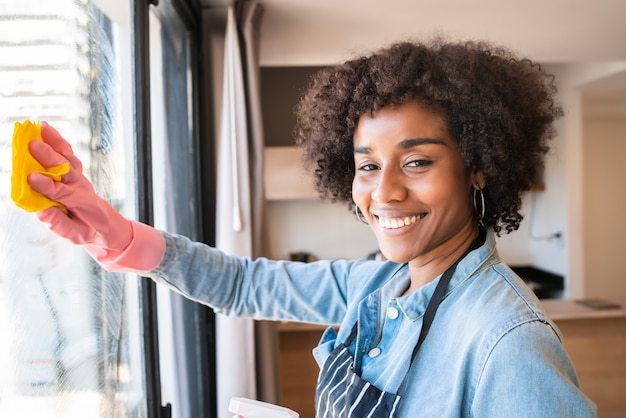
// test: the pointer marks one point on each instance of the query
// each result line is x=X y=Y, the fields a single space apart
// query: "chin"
x=395 y=257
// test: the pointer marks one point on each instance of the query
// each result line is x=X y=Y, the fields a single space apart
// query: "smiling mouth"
x=395 y=223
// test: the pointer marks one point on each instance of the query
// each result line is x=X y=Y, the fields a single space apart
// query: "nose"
x=389 y=187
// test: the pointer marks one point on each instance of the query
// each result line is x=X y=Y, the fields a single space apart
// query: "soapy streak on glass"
x=70 y=336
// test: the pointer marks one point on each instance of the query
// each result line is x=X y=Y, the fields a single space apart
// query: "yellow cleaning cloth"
x=24 y=163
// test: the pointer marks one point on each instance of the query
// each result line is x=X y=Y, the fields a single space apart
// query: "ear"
x=478 y=178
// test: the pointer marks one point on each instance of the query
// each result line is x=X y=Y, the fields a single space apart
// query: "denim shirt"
x=491 y=350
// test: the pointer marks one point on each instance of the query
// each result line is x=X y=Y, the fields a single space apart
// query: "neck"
x=424 y=271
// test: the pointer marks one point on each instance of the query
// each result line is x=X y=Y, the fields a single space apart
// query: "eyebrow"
x=404 y=144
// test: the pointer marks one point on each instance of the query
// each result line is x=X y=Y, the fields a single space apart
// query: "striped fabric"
x=342 y=393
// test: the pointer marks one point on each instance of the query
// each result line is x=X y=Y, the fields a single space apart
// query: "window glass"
x=70 y=333
x=176 y=205
x=173 y=146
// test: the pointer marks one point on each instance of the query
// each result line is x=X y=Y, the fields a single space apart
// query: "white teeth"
x=394 y=223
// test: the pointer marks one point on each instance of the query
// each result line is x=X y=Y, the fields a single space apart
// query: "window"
x=71 y=337
x=175 y=174
x=74 y=339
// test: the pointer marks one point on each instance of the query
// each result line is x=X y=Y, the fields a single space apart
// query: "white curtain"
x=240 y=201
x=266 y=337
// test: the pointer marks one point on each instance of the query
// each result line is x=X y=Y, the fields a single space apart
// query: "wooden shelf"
x=284 y=175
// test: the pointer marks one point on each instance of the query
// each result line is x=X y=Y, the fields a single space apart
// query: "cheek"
x=360 y=190
x=458 y=194
x=447 y=189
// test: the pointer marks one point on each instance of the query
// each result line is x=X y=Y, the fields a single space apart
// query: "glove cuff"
x=144 y=253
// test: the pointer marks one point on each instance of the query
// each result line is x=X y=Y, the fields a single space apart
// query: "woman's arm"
x=264 y=289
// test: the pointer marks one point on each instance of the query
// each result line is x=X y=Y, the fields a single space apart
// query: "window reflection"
x=71 y=338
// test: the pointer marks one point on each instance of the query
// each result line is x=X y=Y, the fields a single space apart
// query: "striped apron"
x=342 y=393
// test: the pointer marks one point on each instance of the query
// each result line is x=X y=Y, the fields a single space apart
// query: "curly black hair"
x=498 y=107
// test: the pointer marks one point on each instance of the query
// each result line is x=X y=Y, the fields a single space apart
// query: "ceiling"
x=322 y=32
x=326 y=32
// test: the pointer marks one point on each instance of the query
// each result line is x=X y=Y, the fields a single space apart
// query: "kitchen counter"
x=565 y=309
x=595 y=340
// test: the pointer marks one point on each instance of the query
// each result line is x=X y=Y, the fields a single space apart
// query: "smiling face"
x=412 y=185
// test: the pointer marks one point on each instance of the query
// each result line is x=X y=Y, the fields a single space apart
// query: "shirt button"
x=392 y=312
x=374 y=352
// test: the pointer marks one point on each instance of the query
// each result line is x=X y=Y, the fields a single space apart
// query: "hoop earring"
x=359 y=215
x=479 y=204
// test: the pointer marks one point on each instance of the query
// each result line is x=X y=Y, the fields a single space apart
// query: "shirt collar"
x=414 y=305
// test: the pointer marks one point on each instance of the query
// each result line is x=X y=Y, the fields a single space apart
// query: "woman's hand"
x=90 y=220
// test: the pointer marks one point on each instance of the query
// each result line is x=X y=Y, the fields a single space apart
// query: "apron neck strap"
x=435 y=301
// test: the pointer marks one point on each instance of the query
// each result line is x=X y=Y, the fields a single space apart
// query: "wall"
x=604 y=150
x=281 y=87
x=567 y=169
x=326 y=230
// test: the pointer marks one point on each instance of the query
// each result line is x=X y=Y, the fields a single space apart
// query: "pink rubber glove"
x=114 y=241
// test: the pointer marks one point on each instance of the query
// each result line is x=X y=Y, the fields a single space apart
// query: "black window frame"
x=190 y=11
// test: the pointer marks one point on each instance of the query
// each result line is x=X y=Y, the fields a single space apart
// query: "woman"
x=432 y=144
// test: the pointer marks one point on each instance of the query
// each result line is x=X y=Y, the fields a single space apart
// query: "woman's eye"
x=368 y=167
x=418 y=163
